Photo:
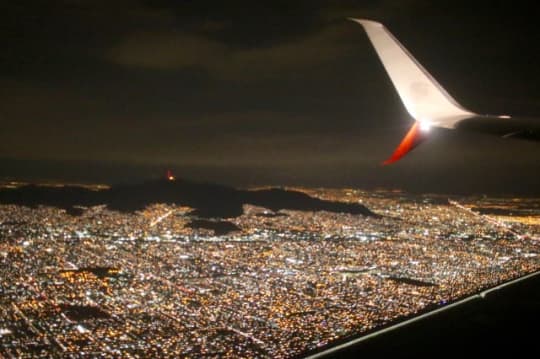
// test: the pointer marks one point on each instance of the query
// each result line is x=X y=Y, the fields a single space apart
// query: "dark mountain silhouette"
x=219 y=227
x=208 y=200
x=277 y=199
x=77 y=312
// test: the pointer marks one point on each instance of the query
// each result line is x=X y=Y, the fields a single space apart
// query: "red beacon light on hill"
x=170 y=175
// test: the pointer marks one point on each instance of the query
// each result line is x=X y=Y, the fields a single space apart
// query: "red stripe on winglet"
x=410 y=141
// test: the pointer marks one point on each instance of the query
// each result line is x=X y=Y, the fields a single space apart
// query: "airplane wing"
x=423 y=97
x=428 y=102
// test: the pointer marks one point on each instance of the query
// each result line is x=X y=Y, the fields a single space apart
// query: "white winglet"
x=423 y=97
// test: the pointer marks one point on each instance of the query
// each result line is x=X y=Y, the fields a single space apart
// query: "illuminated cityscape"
x=164 y=282
x=205 y=179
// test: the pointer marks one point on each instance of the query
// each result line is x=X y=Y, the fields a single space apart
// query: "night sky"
x=252 y=92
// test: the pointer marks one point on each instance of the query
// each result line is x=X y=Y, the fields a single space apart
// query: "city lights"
x=145 y=284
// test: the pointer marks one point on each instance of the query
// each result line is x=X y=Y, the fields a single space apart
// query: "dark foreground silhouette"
x=208 y=200
x=504 y=322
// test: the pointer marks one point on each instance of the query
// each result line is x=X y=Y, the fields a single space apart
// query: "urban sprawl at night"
x=161 y=282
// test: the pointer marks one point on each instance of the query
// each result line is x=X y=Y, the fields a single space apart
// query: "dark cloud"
x=176 y=51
